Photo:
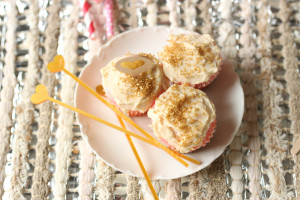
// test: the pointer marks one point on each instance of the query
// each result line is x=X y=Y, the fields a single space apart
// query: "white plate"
x=111 y=145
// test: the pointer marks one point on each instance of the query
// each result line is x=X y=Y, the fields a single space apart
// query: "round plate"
x=111 y=145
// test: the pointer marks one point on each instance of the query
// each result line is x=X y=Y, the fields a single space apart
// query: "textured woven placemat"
x=42 y=155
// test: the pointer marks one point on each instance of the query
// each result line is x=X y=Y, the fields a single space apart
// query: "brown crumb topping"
x=206 y=52
x=144 y=84
x=178 y=111
x=176 y=51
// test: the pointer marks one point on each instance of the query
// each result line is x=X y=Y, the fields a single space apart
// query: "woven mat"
x=42 y=155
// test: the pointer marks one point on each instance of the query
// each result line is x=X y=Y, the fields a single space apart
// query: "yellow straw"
x=197 y=162
x=127 y=119
x=149 y=141
x=99 y=90
x=139 y=161
x=99 y=120
x=41 y=96
x=169 y=151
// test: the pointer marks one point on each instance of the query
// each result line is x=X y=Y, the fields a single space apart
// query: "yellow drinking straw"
x=139 y=161
x=58 y=65
x=100 y=91
x=41 y=96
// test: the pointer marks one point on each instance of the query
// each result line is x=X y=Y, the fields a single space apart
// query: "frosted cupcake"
x=191 y=59
x=183 y=118
x=133 y=82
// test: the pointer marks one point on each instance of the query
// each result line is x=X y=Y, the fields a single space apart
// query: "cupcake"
x=191 y=59
x=183 y=118
x=133 y=82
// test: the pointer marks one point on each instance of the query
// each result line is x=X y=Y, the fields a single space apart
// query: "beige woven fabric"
x=25 y=110
x=291 y=76
x=86 y=174
x=133 y=21
x=264 y=48
x=173 y=16
x=132 y=188
x=151 y=18
x=7 y=93
x=211 y=183
x=247 y=54
x=274 y=137
x=64 y=134
x=235 y=159
x=205 y=6
x=145 y=192
x=87 y=157
x=105 y=184
x=173 y=189
x=41 y=175
x=197 y=185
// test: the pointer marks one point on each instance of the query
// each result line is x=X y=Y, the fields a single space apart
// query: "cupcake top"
x=190 y=58
x=132 y=92
x=182 y=116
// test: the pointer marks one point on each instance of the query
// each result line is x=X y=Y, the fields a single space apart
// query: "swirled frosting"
x=190 y=58
x=182 y=116
x=132 y=93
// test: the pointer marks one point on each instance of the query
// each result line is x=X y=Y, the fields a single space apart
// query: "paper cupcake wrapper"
x=205 y=84
x=206 y=140
x=133 y=113
x=209 y=135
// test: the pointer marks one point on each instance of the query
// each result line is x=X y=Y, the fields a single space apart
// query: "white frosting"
x=182 y=116
x=190 y=58
x=126 y=94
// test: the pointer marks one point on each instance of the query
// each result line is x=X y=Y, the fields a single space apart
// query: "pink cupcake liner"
x=209 y=135
x=167 y=143
x=132 y=113
x=204 y=84
x=206 y=140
